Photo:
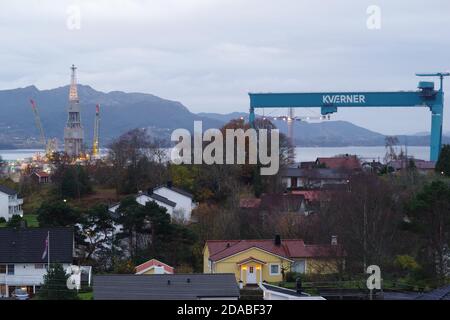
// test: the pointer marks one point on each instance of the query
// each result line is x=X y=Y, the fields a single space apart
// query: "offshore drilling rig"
x=73 y=131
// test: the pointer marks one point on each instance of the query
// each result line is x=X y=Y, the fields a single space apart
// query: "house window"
x=10 y=269
x=274 y=269
x=39 y=266
x=299 y=266
x=2 y=268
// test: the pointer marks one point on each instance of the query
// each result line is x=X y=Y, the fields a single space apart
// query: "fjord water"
x=301 y=154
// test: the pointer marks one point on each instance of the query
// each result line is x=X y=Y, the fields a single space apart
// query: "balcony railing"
x=15 y=202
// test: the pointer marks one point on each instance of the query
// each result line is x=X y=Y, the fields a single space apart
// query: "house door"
x=251 y=275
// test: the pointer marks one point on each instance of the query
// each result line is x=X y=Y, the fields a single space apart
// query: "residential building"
x=143 y=198
x=22 y=262
x=301 y=179
x=255 y=261
x=154 y=266
x=166 y=287
x=183 y=200
x=179 y=203
x=40 y=177
x=421 y=166
x=10 y=203
x=344 y=162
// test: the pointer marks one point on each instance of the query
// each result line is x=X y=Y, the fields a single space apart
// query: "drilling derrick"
x=95 y=143
x=73 y=132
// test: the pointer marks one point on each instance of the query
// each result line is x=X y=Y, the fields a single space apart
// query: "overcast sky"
x=208 y=54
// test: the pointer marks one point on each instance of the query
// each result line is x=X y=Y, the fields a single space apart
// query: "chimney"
x=334 y=240
x=169 y=184
x=277 y=240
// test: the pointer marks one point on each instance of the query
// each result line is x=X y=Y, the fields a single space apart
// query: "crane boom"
x=95 y=143
x=37 y=119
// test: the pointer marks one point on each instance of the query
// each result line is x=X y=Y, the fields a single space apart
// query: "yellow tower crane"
x=95 y=143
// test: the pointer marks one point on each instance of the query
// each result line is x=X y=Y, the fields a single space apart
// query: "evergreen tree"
x=55 y=285
x=56 y=214
x=443 y=164
x=430 y=219
x=16 y=221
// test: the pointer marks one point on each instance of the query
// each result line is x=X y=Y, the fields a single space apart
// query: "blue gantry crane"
x=329 y=102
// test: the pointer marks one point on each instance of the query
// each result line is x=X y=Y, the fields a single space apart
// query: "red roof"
x=42 y=174
x=154 y=263
x=289 y=249
x=344 y=162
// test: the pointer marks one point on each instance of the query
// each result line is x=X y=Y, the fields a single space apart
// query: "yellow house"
x=255 y=261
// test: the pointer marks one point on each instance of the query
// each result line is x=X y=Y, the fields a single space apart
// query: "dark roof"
x=349 y=162
x=316 y=173
x=178 y=190
x=157 y=287
x=420 y=164
x=437 y=294
x=7 y=190
x=27 y=245
x=162 y=199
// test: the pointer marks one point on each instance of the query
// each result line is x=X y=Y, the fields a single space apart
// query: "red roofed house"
x=41 y=177
x=347 y=162
x=255 y=261
x=154 y=266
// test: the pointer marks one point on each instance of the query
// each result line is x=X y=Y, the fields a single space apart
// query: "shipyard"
x=214 y=159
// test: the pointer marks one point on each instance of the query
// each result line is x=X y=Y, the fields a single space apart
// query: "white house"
x=23 y=263
x=143 y=198
x=271 y=292
x=183 y=200
x=10 y=203
x=178 y=202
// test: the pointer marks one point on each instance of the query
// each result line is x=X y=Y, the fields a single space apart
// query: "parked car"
x=20 y=294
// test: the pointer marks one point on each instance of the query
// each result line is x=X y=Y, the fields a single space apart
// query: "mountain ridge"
x=122 y=111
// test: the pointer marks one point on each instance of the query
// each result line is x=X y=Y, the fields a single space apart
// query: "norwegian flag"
x=44 y=254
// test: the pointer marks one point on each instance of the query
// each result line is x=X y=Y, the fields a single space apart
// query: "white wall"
x=26 y=274
x=143 y=199
x=184 y=204
x=5 y=203
x=4 y=210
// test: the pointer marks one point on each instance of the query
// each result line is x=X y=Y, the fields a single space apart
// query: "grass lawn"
x=31 y=220
x=86 y=296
